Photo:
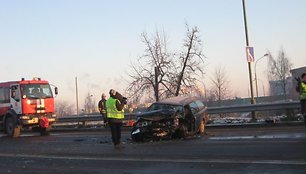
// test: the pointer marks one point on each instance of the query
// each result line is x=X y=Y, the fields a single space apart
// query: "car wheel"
x=11 y=128
x=182 y=131
x=136 y=137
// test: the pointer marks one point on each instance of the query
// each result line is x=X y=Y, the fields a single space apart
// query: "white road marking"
x=275 y=136
x=146 y=159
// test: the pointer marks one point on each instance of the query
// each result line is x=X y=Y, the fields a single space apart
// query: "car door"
x=199 y=112
x=195 y=112
x=15 y=98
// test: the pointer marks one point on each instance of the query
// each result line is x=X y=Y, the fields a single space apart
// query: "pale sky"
x=96 y=40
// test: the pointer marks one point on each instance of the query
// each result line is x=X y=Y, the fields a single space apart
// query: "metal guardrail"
x=211 y=110
x=254 y=107
x=88 y=118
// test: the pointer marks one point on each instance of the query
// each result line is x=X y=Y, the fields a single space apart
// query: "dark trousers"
x=116 y=131
x=104 y=117
x=303 y=109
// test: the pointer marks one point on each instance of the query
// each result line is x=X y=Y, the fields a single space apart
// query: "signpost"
x=251 y=51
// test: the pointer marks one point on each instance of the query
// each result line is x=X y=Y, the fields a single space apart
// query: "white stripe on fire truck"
x=43 y=105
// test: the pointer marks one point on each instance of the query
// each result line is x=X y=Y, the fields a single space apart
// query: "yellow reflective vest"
x=111 y=109
x=303 y=91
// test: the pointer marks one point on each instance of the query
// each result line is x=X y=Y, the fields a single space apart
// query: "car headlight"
x=143 y=124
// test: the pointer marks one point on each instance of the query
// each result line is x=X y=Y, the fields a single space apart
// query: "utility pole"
x=249 y=62
x=77 y=98
x=256 y=74
x=77 y=95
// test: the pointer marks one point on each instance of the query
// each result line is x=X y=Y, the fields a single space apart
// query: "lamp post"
x=77 y=95
x=263 y=87
x=256 y=74
x=204 y=86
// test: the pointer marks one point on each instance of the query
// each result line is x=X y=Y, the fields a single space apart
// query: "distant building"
x=296 y=73
x=276 y=88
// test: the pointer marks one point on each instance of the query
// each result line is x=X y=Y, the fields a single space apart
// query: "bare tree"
x=191 y=60
x=279 y=70
x=166 y=73
x=63 y=108
x=211 y=96
x=220 y=84
x=152 y=69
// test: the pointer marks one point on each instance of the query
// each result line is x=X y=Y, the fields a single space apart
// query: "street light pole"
x=77 y=95
x=77 y=98
x=256 y=74
x=263 y=87
x=249 y=63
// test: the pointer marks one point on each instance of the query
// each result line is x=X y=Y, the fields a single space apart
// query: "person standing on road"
x=301 y=88
x=115 y=115
x=189 y=118
x=102 y=107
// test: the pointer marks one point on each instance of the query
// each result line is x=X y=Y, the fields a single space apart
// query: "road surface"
x=223 y=150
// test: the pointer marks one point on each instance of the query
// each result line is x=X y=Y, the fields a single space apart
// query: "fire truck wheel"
x=11 y=129
x=44 y=131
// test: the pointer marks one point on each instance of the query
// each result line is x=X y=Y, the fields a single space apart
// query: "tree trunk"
x=156 y=84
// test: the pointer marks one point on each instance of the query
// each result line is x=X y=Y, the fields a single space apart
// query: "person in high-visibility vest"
x=102 y=107
x=302 y=90
x=115 y=115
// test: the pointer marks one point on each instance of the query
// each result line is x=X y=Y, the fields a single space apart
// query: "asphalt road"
x=223 y=150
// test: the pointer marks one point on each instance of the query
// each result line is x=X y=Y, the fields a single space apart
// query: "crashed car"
x=176 y=117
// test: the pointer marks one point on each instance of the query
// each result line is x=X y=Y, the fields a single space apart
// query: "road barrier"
x=84 y=119
x=255 y=107
x=130 y=118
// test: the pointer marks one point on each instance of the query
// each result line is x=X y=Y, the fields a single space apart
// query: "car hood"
x=156 y=115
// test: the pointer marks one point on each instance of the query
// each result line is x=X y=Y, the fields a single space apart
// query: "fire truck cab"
x=26 y=103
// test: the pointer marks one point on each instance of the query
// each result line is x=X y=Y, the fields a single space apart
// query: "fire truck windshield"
x=36 y=91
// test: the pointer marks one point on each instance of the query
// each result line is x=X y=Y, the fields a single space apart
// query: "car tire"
x=11 y=128
x=136 y=137
x=182 y=131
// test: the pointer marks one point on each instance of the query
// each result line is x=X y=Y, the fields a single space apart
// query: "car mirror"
x=56 y=90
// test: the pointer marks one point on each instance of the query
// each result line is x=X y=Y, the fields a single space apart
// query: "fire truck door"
x=15 y=98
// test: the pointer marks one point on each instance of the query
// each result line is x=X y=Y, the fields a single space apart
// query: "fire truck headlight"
x=24 y=117
x=28 y=102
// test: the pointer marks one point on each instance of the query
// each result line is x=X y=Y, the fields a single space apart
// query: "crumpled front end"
x=146 y=129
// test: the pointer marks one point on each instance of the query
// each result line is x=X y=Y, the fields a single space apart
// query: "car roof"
x=179 y=100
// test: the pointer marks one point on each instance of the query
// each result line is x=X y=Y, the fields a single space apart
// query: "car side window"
x=153 y=107
x=194 y=107
x=200 y=104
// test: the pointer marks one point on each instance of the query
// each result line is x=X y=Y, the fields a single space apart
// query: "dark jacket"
x=101 y=106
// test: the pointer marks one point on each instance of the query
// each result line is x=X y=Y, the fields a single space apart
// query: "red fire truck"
x=26 y=103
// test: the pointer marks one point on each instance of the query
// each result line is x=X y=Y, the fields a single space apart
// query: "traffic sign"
x=250 y=54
